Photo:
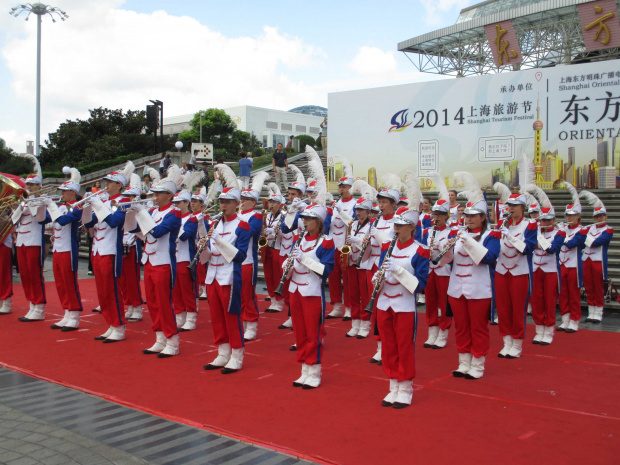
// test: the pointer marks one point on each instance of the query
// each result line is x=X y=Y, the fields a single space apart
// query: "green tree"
x=318 y=144
x=12 y=163
x=305 y=140
x=218 y=129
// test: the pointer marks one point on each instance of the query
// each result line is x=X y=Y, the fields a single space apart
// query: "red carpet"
x=557 y=404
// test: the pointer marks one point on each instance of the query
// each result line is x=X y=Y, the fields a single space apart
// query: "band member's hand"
x=95 y=200
x=269 y=231
x=137 y=207
x=215 y=236
x=48 y=201
x=506 y=233
x=297 y=254
x=201 y=242
x=375 y=278
x=389 y=265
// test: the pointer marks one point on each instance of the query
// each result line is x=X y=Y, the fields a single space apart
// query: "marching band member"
x=387 y=200
x=228 y=242
x=30 y=224
x=107 y=253
x=313 y=260
x=571 y=269
x=454 y=205
x=249 y=267
x=470 y=291
x=272 y=265
x=132 y=255
x=595 y=257
x=197 y=205
x=375 y=211
x=436 y=237
x=533 y=210
x=66 y=252
x=500 y=207
x=546 y=268
x=344 y=213
x=6 y=278
x=160 y=227
x=403 y=274
x=425 y=221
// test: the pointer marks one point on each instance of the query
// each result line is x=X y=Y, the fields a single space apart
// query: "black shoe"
x=296 y=384
x=55 y=326
x=589 y=320
x=385 y=403
x=501 y=356
x=428 y=346
x=544 y=343
x=380 y=363
x=494 y=324
x=332 y=317
x=284 y=327
x=468 y=376
x=267 y=299
x=559 y=328
x=271 y=310
x=66 y=329
x=23 y=319
x=100 y=338
x=372 y=360
x=181 y=330
x=210 y=367
x=534 y=341
x=305 y=386
x=148 y=352
x=227 y=371
x=570 y=331
x=96 y=310
x=596 y=321
x=458 y=374
x=110 y=341
x=399 y=405
x=293 y=348
x=346 y=318
x=511 y=357
x=134 y=320
x=160 y=355
x=202 y=298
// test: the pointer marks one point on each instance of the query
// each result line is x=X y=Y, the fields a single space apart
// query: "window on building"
x=279 y=139
x=314 y=130
x=287 y=127
x=271 y=125
x=299 y=128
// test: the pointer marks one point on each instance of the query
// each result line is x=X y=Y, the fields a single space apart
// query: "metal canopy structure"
x=549 y=34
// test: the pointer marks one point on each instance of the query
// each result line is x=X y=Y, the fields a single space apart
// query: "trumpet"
x=87 y=199
x=44 y=192
x=127 y=205
x=41 y=200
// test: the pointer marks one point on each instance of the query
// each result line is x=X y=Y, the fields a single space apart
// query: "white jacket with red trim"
x=338 y=226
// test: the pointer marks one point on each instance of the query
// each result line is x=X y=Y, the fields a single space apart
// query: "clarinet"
x=380 y=276
x=365 y=243
x=289 y=263
x=451 y=243
x=192 y=265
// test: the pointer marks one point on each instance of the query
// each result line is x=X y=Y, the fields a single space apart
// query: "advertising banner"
x=565 y=118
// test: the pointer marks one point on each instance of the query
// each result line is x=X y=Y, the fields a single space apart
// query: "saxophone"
x=345 y=250
x=262 y=240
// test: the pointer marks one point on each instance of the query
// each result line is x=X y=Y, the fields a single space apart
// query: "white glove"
x=95 y=200
x=297 y=254
x=389 y=266
x=136 y=207
x=269 y=231
x=296 y=201
x=506 y=233
x=215 y=236
x=375 y=277
x=48 y=201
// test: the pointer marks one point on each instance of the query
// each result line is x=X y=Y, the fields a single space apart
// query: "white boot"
x=529 y=308
x=336 y=312
x=421 y=299
x=235 y=363
x=464 y=366
x=442 y=339
x=250 y=331
x=477 y=366
x=515 y=350
x=540 y=330
x=314 y=377
x=507 y=346
x=276 y=305
x=118 y=334
x=364 y=329
x=591 y=313
x=347 y=314
x=355 y=328
x=389 y=400
x=97 y=309
x=573 y=326
x=73 y=321
x=547 y=336
x=433 y=332
x=105 y=335
x=190 y=322
x=223 y=356
x=405 y=393
x=287 y=324
x=304 y=375
x=598 y=314
x=565 y=320
x=172 y=347
x=160 y=344
x=36 y=313
x=129 y=312
x=203 y=293
x=377 y=357
x=27 y=316
x=7 y=306
x=62 y=322
x=181 y=318
x=136 y=315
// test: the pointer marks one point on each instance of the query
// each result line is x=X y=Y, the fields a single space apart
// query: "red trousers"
x=471 y=325
x=107 y=289
x=307 y=315
x=249 y=309
x=336 y=280
x=544 y=297
x=184 y=292
x=436 y=292
x=31 y=273
x=130 y=280
x=201 y=274
x=66 y=282
x=6 y=270
x=570 y=295
x=511 y=294
x=593 y=282
x=285 y=293
x=397 y=343
x=227 y=327
x=359 y=293
x=272 y=267
x=377 y=331
x=159 y=298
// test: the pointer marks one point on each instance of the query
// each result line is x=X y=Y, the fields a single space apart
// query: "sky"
x=198 y=54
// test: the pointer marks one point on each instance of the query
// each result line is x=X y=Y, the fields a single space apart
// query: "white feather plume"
x=537 y=192
x=329 y=198
x=173 y=175
x=346 y=167
x=203 y=191
x=503 y=191
x=76 y=177
x=364 y=189
x=227 y=175
x=240 y=184
x=526 y=173
x=592 y=199
x=273 y=189
x=413 y=191
x=391 y=181
x=299 y=176
x=258 y=180
x=192 y=179
x=315 y=166
x=214 y=188
x=573 y=192
x=472 y=188
x=127 y=170
x=35 y=163
x=441 y=187
x=154 y=175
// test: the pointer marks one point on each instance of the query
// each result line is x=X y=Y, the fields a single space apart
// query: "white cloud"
x=436 y=9
x=372 y=61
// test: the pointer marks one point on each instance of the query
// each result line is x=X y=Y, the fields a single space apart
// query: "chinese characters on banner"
x=504 y=44
x=599 y=24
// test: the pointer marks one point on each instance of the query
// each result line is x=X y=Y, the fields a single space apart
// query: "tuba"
x=11 y=194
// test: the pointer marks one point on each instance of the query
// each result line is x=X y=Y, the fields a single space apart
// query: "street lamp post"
x=201 y=126
x=38 y=9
